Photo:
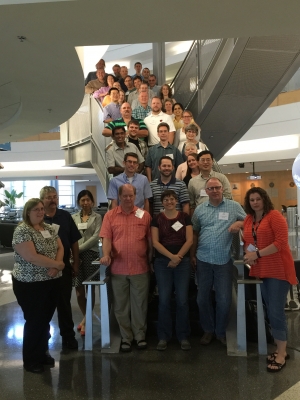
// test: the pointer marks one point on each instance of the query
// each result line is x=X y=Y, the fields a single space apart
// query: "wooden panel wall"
x=281 y=192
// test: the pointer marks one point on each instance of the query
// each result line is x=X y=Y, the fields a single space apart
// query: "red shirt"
x=129 y=236
x=272 y=229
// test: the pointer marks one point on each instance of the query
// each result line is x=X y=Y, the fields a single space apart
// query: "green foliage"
x=10 y=198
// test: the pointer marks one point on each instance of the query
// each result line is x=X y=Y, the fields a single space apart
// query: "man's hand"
x=75 y=268
x=106 y=260
x=193 y=262
x=235 y=227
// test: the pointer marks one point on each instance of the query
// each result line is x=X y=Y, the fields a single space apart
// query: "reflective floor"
x=202 y=373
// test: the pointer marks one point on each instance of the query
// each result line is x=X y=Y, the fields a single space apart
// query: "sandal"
x=82 y=330
x=125 y=347
x=141 y=344
x=275 y=364
x=273 y=357
x=79 y=327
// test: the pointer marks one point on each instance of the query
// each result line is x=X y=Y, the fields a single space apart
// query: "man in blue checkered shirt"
x=214 y=222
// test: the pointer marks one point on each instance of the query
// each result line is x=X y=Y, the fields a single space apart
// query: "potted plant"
x=10 y=198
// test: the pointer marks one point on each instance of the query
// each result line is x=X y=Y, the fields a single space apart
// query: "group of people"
x=168 y=214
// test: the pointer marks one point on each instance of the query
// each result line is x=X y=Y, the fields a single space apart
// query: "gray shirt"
x=197 y=192
x=115 y=154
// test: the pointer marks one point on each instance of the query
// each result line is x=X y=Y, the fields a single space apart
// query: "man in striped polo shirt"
x=165 y=181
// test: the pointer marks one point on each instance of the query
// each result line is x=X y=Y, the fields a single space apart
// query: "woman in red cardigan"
x=267 y=251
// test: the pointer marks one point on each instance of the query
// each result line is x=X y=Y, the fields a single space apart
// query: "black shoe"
x=34 y=368
x=70 y=343
x=48 y=360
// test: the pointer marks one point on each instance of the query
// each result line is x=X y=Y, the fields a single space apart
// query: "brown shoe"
x=206 y=338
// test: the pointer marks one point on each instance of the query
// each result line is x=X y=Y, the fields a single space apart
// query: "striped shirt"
x=120 y=122
x=212 y=223
x=158 y=187
x=272 y=229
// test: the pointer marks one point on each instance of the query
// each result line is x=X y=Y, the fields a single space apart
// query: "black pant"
x=38 y=301
x=64 y=310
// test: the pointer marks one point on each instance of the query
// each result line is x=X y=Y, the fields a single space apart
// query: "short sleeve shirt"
x=25 y=271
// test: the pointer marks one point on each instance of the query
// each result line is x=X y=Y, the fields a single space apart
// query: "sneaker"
x=222 y=340
x=185 y=345
x=70 y=343
x=206 y=338
x=162 y=345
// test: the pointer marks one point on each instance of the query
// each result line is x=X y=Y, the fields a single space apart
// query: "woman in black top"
x=172 y=237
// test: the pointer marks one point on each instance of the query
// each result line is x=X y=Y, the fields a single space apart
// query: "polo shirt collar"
x=211 y=205
x=120 y=211
x=116 y=147
x=172 y=181
x=169 y=146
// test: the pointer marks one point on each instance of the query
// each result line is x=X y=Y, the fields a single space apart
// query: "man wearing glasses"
x=140 y=182
x=214 y=223
x=196 y=186
x=66 y=229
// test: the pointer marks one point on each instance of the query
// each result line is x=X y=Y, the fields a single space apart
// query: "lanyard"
x=254 y=231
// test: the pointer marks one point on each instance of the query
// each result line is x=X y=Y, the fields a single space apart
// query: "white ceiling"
x=45 y=76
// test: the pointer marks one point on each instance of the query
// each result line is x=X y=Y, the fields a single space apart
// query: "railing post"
x=159 y=62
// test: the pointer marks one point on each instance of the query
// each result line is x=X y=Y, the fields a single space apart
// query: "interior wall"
x=100 y=195
x=279 y=185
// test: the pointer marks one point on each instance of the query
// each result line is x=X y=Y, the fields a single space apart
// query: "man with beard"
x=156 y=117
x=166 y=181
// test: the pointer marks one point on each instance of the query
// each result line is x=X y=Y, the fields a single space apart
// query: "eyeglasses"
x=212 y=188
x=186 y=116
x=55 y=197
x=37 y=209
x=131 y=162
x=205 y=160
x=191 y=131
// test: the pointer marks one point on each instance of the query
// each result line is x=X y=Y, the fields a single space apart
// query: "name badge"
x=203 y=193
x=46 y=234
x=82 y=225
x=170 y=155
x=251 y=247
x=139 y=213
x=224 y=216
x=177 y=226
x=56 y=228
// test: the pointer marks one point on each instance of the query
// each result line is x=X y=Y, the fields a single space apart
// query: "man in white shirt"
x=154 y=119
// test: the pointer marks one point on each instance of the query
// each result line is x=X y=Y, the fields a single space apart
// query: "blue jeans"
x=274 y=292
x=166 y=277
x=219 y=277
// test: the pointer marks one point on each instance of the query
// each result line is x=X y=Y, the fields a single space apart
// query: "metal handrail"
x=183 y=62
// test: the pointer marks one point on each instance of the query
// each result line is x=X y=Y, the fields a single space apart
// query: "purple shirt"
x=111 y=111
x=102 y=91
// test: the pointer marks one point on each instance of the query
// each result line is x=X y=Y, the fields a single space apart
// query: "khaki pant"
x=130 y=302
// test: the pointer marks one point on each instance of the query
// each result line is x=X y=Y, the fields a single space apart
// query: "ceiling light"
x=224 y=165
x=278 y=143
x=278 y=161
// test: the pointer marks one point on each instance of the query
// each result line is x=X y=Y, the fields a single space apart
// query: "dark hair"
x=114 y=78
x=134 y=122
x=163 y=124
x=137 y=63
x=127 y=76
x=170 y=94
x=113 y=88
x=202 y=153
x=85 y=192
x=177 y=104
x=168 y=193
x=29 y=205
x=117 y=65
x=268 y=205
x=189 y=171
x=164 y=103
x=117 y=127
x=120 y=190
x=137 y=77
x=165 y=158
x=130 y=155
x=152 y=75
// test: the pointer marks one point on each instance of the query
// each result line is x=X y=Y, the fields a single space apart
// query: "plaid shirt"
x=141 y=112
x=129 y=236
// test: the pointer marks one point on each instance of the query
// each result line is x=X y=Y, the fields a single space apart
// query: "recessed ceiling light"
x=224 y=165
x=247 y=172
x=228 y=173
x=278 y=161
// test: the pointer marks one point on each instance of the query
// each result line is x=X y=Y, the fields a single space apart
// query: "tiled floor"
x=202 y=373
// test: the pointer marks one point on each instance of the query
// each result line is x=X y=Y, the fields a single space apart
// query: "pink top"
x=100 y=93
